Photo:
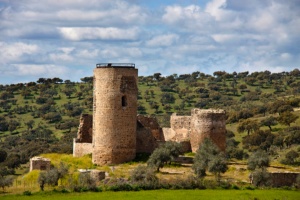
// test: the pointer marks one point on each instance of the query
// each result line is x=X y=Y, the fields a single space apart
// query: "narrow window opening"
x=124 y=101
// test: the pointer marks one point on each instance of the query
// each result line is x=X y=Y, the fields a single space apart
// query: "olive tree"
x=164 y=154
x=258 y=163
x=209 y=158
x=6 y=181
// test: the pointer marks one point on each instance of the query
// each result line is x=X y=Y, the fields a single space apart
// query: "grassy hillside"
x=42 y=116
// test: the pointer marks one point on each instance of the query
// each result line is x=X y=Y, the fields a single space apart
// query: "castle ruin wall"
x=114 y=115
x=149 y=134
x=85 y=129
x=208 y=124
x=182 y=126
x=81 y=149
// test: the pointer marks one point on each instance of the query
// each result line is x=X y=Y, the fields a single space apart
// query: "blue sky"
x=67 y=38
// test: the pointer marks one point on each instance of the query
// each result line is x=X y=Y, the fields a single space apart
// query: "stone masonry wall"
x=39 y=163
x=81 y=149
x=151 y=124
x=279 y=179
x=114 y=115
x=208 y=124
x=149 y=134
x=145 y=142
x=85 y=129
x=182 y=126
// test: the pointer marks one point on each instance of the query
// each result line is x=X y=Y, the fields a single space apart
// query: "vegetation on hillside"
x=262 y=112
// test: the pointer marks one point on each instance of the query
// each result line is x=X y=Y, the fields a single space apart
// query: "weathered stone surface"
x=149 y=134
x=85 y=129
x=115 y=133
x=95 y=174
x=81 y=149
x=208 y=124
x=190 y=131
x=39 y=163
x=114 y=115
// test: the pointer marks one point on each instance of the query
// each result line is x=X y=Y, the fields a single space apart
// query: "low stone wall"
x=81 y=149
x=39 y=163
x=95 y=174
x=279 y=179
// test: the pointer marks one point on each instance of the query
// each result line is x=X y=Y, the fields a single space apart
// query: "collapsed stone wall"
x=149 y=134
x=151 y=124
x=85 y=129
x=39 y=163
x=82 y=145
x=208 y=124
x=190 y=131
x=182 y=127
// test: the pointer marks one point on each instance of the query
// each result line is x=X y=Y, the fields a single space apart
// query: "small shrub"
x=261 y=177
x=225 y=185
x=235 y=187
x=65 y=191
x=249 y=188
x=120 y=187
x=27 y=193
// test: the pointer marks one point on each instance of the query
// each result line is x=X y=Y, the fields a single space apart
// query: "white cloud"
x=164 y=36
x=87 y=54
x=48 y=70
x=15 y=51
x=190 y=17
x=163 y=40
x=96 y=33
x=215 y=8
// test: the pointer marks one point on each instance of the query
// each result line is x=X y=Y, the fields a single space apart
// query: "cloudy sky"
x=66 y=38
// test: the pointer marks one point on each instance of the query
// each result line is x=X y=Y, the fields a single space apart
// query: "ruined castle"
x=115 y=133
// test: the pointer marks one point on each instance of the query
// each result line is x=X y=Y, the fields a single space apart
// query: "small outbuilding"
x=39 y=163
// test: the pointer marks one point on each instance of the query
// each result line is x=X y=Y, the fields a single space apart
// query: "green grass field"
x=166 y=194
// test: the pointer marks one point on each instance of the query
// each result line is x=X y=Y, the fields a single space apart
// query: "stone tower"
x=208 y=124
x=114 y=113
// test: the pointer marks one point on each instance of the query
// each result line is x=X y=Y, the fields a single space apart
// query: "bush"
x=164 y=154
x=259 y=159
x=290 y=158
x=86 y=182
x=121 y=187
x=209 y=157
x=27 y=193
x=261 y=177
x=6 y=181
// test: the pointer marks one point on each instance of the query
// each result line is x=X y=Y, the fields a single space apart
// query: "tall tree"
x=269 y=122
x=248 y=125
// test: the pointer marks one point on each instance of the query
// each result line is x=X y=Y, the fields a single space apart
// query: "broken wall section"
x=149 y=134
x=180 y=131
x=82 y=145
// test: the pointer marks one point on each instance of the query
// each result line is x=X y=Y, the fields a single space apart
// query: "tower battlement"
x=115 y=65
